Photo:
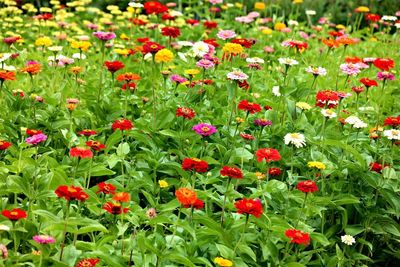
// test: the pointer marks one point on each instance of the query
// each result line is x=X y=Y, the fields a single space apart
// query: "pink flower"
x=350 y=69
x=205 y=64
x=204 y=129
x=385 y=75
x=244 y=19
x=237 y=75
x=177 y=78
x=214 y=2
x=4 y=251
x=36 y=139
x=269 y=49
x=44 y=239
x=104 y=36
x=226 y=34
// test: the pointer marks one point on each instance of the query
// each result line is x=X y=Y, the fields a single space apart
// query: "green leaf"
x=224 y=251
x=294 y=264
x=123 y=149
x=248 y=251
x=101 y=170
x=320 y=238
x=345 y=199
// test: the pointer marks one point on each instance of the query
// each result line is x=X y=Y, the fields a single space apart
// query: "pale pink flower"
x=350 y=69
x=226 y=34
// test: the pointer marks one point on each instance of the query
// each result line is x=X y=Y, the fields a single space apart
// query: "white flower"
x=5 y=56
x=7 y=67
x=4 y=227
x=255 y=60
x=200 y=49
x=352 y=120
x=135 y=5
x=175 y=13
x=392 y=134
x=360 y=124
x=293 y=23
x=79 y=56
x=390 y=18
x=348 y=239
x=288 y=61
x=297 y=139
x=275 y=91
x=328 y=113
x=55 y=48
x=148 y=57
x=316 y=70
x=184 y=43
x=311 y=12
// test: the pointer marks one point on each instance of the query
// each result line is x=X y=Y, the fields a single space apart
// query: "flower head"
x=194 y=164
x=231 y=172
x=348 y=240
x=36 y=139
x=249 y=206
x=44 y=239
x=106 y=188
x=186 y=196
x=249 y=107
x=71 y=193
x=14 y=214
x=223 y=262
x=104 y=36
x=269 y=154
x=90 y=262
x=307 y=186
x=113 y=66
x=204 y=129
x=296 y=139
x=81 y=152
x=298 y=236
x=122 y=197
x=185 y=112
x=122 y=124
x=164 y=55
x=226 y=34
x=114 y=208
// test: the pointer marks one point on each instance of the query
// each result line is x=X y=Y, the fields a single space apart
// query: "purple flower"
x=385 y=75
x=36 y=139
x=350 y=69
x=204 y=129
x=44 y=239
x=205 y=63
x=262 y=122
x=104 y=36
x=177 y=78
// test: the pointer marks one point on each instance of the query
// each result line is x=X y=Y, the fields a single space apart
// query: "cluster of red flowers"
x=269 y=154
x=298 y=236
x=249 y=207
x=71 y=193
x=231 y=172
x=122 y=124
x=81 y=152
x=184 y=112
x=392 y=121
x=194 y=164
x=327 y=98
x=249 y=107
x=188 y=198
x=307 y=186
x=14 y=214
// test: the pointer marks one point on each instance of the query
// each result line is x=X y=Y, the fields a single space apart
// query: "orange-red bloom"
x=269 y=154
x=6 y=75
x=187 y=113
x=114 y=208
x=368 y=82
x=122 y=124
x=4 y=145
x=122 y=197
x=194 y=164
x=249 y=206
x=114 y=66
x=231 y=172
x=106 y=188
x=32 y=69
x=298 y=236
x=186 y=196
x=95 y=145
x=81 y=152
x=92 y=262
x=14 y=214
x=71 y=193
x=128 y=77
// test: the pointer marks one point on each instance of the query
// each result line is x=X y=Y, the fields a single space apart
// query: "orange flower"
x=32 y=69
x=128 y=77
x=347 y=41
x=186 y=196
x=6 y=75
x=122 y=197
x=330 y=43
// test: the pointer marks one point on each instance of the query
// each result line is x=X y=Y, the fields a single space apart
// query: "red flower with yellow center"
x=71 y=193
x=194 y=164
x=186 y=196
x=307 y=186
x=14 y=214
x=298 y=236
x=122 y=124
x=4 y=145
x=249 y=207
x=92 y=262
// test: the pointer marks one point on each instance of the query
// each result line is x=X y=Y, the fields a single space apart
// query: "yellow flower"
x=238 y=5
x=223 y=262
x=124 y=37
x=75 y=70
x=259 y=5
x=43 y=41
x=45 y=10
x=362 y=9
x=260 y=175
x=267 y=31
x=163 y=183
x=303 y=105
x=340 y=27
x=82 y=45
x=164 y=55
x=373 y=39
x=122 y=52
x=192 y=72
x=316 y=164
x=232 y=48
x=239 y=120
x=279 y=26
x=297 y=1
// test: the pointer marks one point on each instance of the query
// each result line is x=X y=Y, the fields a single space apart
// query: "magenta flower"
x=36 y=139
x=262 y=122
x=177 y=78
x=204 y=129
x=205 y=63
x=44 y=239
x=350 y=69
x=226 y=34
x=385 y=75
x=105 y=36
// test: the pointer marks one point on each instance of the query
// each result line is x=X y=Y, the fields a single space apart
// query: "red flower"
x=88 y=262
x=243 y=84
x=14 y=214
x=71 y=193
x=198 y=204
x=95 y=145
x=376 y=167
x=122 y=124
x=269 y=154
x=106 y=188
x=6 y=75
x=31 y=132
x=192 y=22
x=231 y=172
x=154 y=7
x=247 y=43
x=249 y=106
x=212 y=42
x=384 y=64
x=274 y=171
x=186 y=196
x=130 y=85
x=357 y=89
x=327 y=98
x=249 y=206
x=392 y=121
x=246 y=136
x=372 y=17
x=87 y=132
x=210 y=24
x=187 y=113
x=191 y=164
x=307 y=186
x=298 y=236
x=128 y=77
x=151 y=47
x=81 y=152
x=114 y=66
x=143 y=39
x=368 y=83
x=4 y=145
x=172 y=32
x=114 y=208
x=167 y=16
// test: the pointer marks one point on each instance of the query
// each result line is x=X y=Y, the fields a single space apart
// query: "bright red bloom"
x=194 y=164
x=6 y=75
x=44 y=16
x=298 y=45
x=392 y=121
x=92 y=262
x=128 y=77
x=376 y=167
x=122 y=197
x=143 y=39
x=106 y=188
x=186 y=196
x=353 y=60
x=298 y=236
x=151 y=47
x=210 y=24
x=114 y=66
x=274 y=171
x=95 y=145
x=192 y=22
x=172 y=32
x=247 y=43
x=249 y=206
x=122 y=124
x=81 y=152
x=198 y=204
x=14 y=214
x=167 y=16
x=307 y=186
x=368 y=83
x=4 y=145
x=31 y=132
x=231 y=172
x=114 y=208
x=327 y=98
x=372 y=17
x=71 y=193
x=384 y=64
x=269 y=154
x=212 y=42
x=249 y=107
x=187 y=113
x=335 y=34
x=87 y=132
x=154 y=7
x=130 y=86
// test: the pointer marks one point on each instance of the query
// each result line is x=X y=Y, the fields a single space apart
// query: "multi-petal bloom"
x=36 y=139
x=186 y=196
x=114 y=66
x=269 y=154
x=316 y=71
x=194 y=164
x=350 y=69
x=298 y=236
x=4 y=145
x=296 y=139
x=169 y=31
x=231 y=172
x=122 y=124
x=384 y=64
x=114 y=208
x=204 y=129
x=250 y=107
x=90 y=262
x=106 y=188
x=81 y=152
x=226 y=34
x=14 y=214
x=104 y=36
x=185 y=112
x=44 y=239
x=249 y=207
x=71 y=193
x=122 y=197
x=307 y=186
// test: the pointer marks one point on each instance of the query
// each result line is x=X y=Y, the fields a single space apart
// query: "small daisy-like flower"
x=316 y=71
x=288 y=61
x=328 y=113
x=348 y=239
x=303 y=105
x=237 y=75
x=296 y=139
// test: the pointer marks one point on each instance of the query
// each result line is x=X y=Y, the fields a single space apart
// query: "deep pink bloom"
x=105 y=36
x=44 y=239
x=204 y=129
x=36 y=139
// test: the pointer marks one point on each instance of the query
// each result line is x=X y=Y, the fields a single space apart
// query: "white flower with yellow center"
x=296 y=139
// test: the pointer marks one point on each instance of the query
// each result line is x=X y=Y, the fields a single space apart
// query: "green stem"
x=223 y=205
x=64 y=230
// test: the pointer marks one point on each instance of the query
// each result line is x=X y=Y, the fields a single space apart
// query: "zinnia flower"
x=184 y=112
x=186 y=196
x=172 y=32
x=296 y=139
x=231 y=172
x=36 y=139
x=298 y=236
x=122 y=197
x=226 y=34
x=307 y=186
x=90 y=262
x=114 y=66
x=95 y=145
x=350 y=69
x=122 y=124
x=348 y=240
x=249 y=206
x=385 y=75
x=104 y=36
x=71 y=193
x=384 y=64
x=14 y=214
x=204 y=129
x=44 y=239
x=237 y=75
x=194 y=164
x=106 y=188
x=4 y=145
x=81 y=152
x=269 y=154
x=114 y=208
x=249 y=107
x=223 y=262
x=164 y=56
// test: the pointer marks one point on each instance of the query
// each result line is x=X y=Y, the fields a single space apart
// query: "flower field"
x=198 y=133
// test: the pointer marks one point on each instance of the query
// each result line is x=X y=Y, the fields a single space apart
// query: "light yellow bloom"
x=223 y=262
x=303 y=105
x=43 y=41
x=163 y=183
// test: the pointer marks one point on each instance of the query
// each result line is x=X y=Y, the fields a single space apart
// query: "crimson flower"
x=122 y=124
x=210 y=24
x=377 y=167
x=184 y=112
x=106 y=188
x=114 y=208
x=4 y=145
x=384 y=64
x=198 y=204
x=90 y=262
x=172 y=32
x=368 y=82
x=249 y=206
x=247 y=43
x=307 y=186
x=71 y=193
x=249 y=107
x=392 y=121
x=269 y=154
x=231 y=172
x=87 y=132
x=154 y=7
x=327 y=98
x=14 y=214
x=151 y=47
x=298 y=236
x=194 y=164
x=114 y=66
x=81 y=152
x=274 y=171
